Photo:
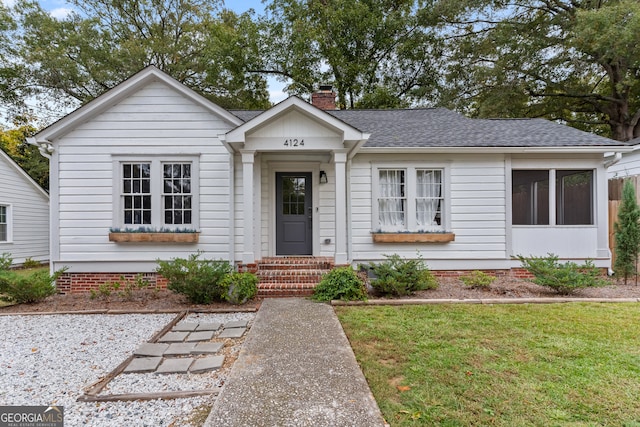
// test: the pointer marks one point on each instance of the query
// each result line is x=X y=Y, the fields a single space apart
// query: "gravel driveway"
x=51 y=359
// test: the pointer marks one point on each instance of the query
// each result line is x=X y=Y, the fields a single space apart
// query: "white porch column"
x=340 y=160
x=248 y=158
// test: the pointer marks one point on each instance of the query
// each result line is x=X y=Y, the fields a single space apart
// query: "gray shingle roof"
x=439 y=127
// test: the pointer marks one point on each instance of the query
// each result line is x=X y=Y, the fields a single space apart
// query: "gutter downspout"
x=45 y=147
x=616 y=158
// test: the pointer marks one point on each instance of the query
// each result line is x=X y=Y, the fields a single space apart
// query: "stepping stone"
x=143 y=364
x=208 y=326
x=185 y=326
x=200 y=336
x=232 y=333
x=207 y=347
x=174 y=337
x=179 y=349
x=205 y=364
x=174 y=366
x=151 y=349
x=236 y=324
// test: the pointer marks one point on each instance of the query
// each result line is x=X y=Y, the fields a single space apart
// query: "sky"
x=60 y=8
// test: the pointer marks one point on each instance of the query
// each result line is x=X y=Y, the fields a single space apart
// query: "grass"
x=504 y=365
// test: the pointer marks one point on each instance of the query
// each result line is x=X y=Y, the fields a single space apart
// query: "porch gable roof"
x=260 y=119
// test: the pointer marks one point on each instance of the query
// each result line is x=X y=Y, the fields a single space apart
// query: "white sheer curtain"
x=428 y=196
x=392 y=198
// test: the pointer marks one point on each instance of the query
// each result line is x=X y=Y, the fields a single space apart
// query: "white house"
x=343 y=187
x=24 y=214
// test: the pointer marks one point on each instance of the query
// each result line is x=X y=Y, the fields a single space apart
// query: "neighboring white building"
x=24 y=214
x=628 y=163
x=298 y=180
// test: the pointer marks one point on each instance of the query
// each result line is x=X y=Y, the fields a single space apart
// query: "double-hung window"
x=157 y=194
x=552 y=197
x=409 y=198
x=4 y=223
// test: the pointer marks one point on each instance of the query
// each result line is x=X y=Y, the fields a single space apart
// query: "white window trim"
x=410 y=171
x=9 y=222
x=552 y=196
x=157 y=213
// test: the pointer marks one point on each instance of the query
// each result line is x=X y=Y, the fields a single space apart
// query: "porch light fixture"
x=323 y=177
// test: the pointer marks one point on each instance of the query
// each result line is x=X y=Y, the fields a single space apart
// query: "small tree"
x=627 y=233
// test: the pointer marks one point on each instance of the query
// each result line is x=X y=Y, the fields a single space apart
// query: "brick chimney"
x=324 y=99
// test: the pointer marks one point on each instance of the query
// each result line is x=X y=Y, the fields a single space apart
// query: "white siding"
x=477 y=201
x=29 y=211
x=154 y=121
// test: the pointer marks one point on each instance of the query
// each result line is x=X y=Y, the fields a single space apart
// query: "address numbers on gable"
x=294 y=142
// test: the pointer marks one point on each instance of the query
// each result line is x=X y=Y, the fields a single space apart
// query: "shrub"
x=28 y=288
x=125 y=289
x=398 y=276
x=238 y=288
x=340 y=283
x=30 y=263
x=564 y=278
x=199 y=280
x=627 y=233
x=5 y=261
x=477 y=279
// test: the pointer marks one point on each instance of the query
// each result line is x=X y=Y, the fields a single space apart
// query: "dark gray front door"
x=293 y=213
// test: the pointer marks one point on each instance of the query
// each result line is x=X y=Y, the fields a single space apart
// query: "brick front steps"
x=290 y=276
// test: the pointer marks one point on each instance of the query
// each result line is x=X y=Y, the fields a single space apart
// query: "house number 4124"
x=294 y=142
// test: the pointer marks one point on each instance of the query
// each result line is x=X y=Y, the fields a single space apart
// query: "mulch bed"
x=448 y=288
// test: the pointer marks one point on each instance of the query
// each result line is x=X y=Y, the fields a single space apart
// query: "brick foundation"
x=85 y=282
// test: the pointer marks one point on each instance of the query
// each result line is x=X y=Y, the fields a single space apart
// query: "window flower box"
x=381 y=237
x=159 y=237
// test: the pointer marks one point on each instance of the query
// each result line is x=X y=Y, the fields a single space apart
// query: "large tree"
x=74 y=59
x=575 y=61
x=14 y=142
x=374 y=52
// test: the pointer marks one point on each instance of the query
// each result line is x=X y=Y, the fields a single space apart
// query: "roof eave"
x=506 y=150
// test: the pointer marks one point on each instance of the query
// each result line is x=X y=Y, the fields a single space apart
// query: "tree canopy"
x=102 y=42
x=574 y=61
x=374 y=52
x=577 y=62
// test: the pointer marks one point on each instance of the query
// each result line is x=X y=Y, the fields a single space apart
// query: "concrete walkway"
x=296 y=368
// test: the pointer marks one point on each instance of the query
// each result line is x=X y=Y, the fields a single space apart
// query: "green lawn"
x=502 y=365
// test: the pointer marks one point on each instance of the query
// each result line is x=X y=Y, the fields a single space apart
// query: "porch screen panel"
x=574 y=197
x=429 y=198
x=392 y=198
x=530 y=197
x=136 y=193
x=177 y=194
